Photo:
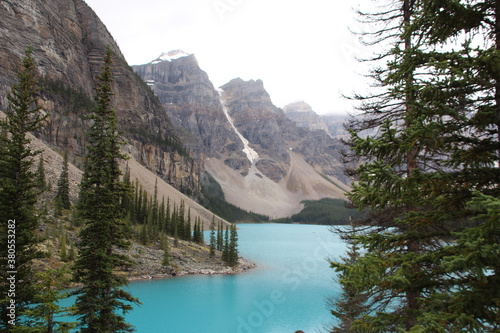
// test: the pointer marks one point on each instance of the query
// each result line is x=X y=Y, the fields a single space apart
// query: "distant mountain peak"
x=170 y=55
x=297 y=106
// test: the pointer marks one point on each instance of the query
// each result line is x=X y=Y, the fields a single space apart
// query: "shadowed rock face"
x=69 y=42
x=303 y=115
x=193 y=104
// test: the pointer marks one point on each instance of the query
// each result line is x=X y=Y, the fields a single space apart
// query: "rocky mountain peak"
x=171 y=55
x=303 y=115
x=298 y=106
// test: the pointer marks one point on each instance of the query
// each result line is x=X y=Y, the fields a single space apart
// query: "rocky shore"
x=186 y=259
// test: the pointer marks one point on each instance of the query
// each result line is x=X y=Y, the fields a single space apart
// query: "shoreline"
x=185 y=260
x=243 y=266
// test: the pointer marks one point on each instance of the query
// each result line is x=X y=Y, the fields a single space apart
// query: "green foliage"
x=213 y=199
x=44 y=316
x=62 y=196
x=232 y=255
x=19 y=190
x=166 y=254
x=213 y=240
x=168 y=142
x=40 y=174
x=75 y=101
x=353 y=303
x=434 y=123
x=101 y=301
x=325 y=211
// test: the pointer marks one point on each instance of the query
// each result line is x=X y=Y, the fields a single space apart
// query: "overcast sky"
x=301 y=49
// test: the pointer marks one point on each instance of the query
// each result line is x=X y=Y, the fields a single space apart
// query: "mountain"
x=69 y=42
x=263 y=161
x=175 y=122
x=303 y=115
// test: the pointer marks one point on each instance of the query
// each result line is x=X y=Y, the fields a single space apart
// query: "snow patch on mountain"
x=251 y=154
x=170 y=55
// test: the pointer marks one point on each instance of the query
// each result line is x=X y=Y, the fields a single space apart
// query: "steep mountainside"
x=251 y=148
x=173 y=118
x=193 y=104
x=304 y=116
x=69 y=42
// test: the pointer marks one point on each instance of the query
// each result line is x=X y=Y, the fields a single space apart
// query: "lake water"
x=285 y=293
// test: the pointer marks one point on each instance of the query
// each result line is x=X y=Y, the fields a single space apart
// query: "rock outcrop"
x=192 y=103
x=69 y=42
x=303 y=115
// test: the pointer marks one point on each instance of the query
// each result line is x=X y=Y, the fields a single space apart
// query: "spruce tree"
x=19 y=190
x=434 y=141
x=398 y=159
x=233 y=246
x=225 y=248
x=101 y=301
x=166 y=253
x=353 y=302
x=47 y=314
x=62 y=197
x=40 y=174
x=212 y=244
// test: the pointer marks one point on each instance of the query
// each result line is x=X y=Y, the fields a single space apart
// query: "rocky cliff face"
x=262 y=124
x=274 y=135
x=69 y=42
x=264 y=162
x=192 y=103
x=303 y=115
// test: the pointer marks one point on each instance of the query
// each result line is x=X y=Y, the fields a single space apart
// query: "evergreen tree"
x=353 y=303
x=62 y=197
x=187 y=228
x=19 y=191
x=166 y=253
x=168 y=223
x=225 y=248
x=62 y=245
x=40 y=174
x=213 y=244
x=434 y=118
x=220 y=236
x=233 y=247
x=44 y=316
x=154 y=204
x=101 y=300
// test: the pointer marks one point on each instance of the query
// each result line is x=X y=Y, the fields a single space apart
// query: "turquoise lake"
x=285 y=293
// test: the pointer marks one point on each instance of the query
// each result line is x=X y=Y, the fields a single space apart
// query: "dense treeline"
x=325 y=211
x=426 y=257
x=213 y=199
x=150 y=219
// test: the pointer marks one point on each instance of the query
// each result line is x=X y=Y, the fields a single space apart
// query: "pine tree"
x=166 y=253
x=62 y=197
x=233 y=247
x=353 y=303
x=225 y=248
x=220 y=236
x=101 y=301
x=168 y=223
x=19 y=190
x=397 y=161
x=40 y=174
x=435 y=139
x=212 y=244
x=46 y=315
x=63 y=254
